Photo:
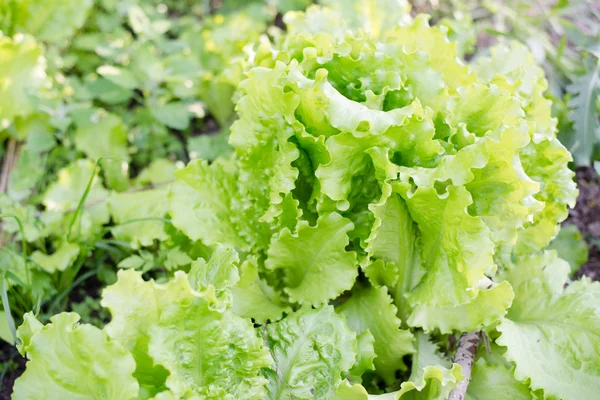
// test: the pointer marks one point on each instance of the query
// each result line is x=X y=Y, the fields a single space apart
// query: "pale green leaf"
x=391 y=343
x=72 y=361
x=139 y=216
x=22 y=74
x=254 y=298
x=316 y=266
x=180 y=341
x=498 y=379
x=551 y=332
x=134 y=261
x=311 y=350
x=105 y=135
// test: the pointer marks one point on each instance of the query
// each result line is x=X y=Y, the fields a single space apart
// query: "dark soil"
x=586 y=215
x=14 y=369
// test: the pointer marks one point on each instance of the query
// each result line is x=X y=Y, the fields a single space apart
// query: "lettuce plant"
x=383 y=196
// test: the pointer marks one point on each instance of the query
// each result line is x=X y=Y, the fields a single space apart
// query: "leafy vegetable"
x=181 y=332
x=551 y=326
x=68 y=360
x=376 y=197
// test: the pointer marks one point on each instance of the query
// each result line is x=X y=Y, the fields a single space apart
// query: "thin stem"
x=465 y=357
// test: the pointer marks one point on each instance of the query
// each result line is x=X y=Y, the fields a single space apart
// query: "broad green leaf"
x=72 y=361
x=209 y=147
x=498 y=379
x=121 y=76
x=149 y=207
x=27 y=174
x=254 y=298
x=174 y=115
x=551 y=332
x=202 y=203
x=182 y=342
x=290 y=5
x=32 y=227
x=159 y=172
x=53 y=21
x=104 y=136
x=107 y=91
x=12 y=266
x=62 y=258
x=316 y=266
x=311 y=349
x=370 y=309
x=134 y=261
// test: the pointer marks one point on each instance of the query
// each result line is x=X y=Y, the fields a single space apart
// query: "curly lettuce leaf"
x=220 y=271
x=391 y=343
x=551 y=332
x=431 y=378
x=314 y=261
x=254 y=298
x=182 y=342
x=311 y=349
x=69 y=360
x=201 y=203
x=499 y=379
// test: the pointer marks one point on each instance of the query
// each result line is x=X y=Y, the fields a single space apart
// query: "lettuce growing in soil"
x=382 y=197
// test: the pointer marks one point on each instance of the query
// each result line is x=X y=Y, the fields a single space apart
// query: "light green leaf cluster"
x=364 y=144
x=182 y=341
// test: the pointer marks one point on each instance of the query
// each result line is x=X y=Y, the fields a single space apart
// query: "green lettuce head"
x=383 y=150
x=375 y=170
